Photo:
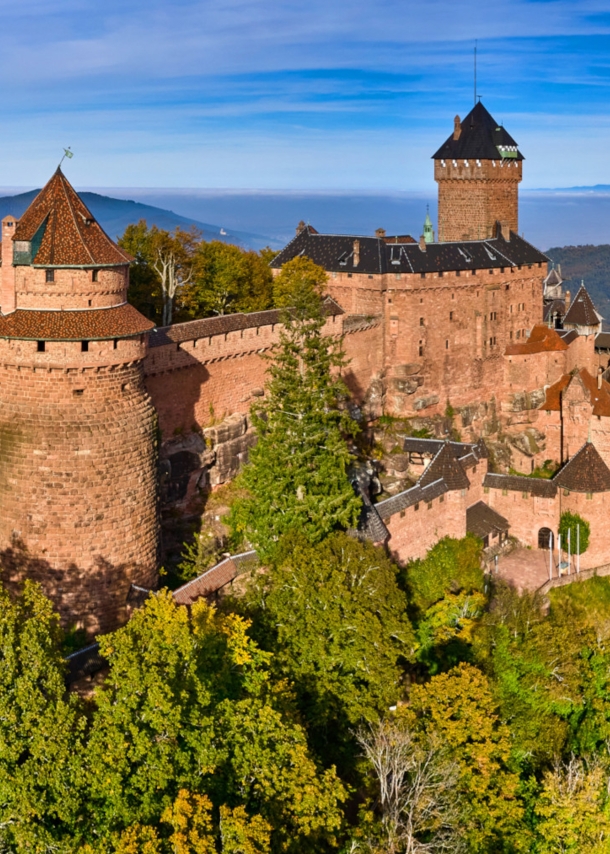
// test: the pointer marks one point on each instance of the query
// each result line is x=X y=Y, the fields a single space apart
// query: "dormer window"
x=49 y=275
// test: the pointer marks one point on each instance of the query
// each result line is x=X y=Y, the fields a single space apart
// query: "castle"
x=91 y=394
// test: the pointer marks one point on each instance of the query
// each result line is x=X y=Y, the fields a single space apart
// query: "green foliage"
x=226 y=279
x=335 y=619
x=41 y=728
x=297 y=473
x=450 y=566
x=579 y=530
x=445 y=631
x=187 y=705
x=299 y=285
x=458 y=708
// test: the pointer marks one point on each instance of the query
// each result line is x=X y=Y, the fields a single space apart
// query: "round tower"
x=78 y=497
x=478 y=170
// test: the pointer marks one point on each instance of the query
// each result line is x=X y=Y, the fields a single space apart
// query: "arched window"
x=545 y=538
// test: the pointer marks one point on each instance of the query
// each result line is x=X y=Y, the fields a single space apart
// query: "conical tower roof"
x=480 y=138
x=62 y=232
x=582 y=311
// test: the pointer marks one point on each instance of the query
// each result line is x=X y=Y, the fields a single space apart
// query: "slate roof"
x=481 y=520
x=209 y=326
x=445 y=467
x=409 y=497
x=63 y=232
x=584 y=472
x=335 y=252
x=556 y=306
x=582 y=312
x=481 y=138
x=121 y=321
x=553 y=278
x=432 y=447
x=517 y=483
x=542 y=339
x=602 y=341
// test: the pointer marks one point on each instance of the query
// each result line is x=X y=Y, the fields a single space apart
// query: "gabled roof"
x=537 y=486
x=481 y=520
x=598 y=394
x=541 y=340
x=582 y=312
x=553 y=278
x=63 y=232
x=335 y=253
x=481 y=138
x=584 y=472
x=445 y=467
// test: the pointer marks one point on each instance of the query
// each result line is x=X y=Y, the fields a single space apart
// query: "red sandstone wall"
x=525 y=512
x=414 y=533
x=72 y=288
x=78 y=486
x=200 y=381
x=594 y=510
x=462 y=325
x=473 y=195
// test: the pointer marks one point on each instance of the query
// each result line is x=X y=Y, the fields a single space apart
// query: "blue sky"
x=326 y=94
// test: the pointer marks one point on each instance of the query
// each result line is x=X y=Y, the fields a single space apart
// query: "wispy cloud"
x=252 y=93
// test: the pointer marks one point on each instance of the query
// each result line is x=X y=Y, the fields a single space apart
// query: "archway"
x=545 y=538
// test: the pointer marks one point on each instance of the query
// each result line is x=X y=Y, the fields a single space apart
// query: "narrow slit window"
x=95 y=275
x=49 y=275
x=40 y=346
x=84 y=346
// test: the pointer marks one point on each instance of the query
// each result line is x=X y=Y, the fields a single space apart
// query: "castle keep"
x=77 y=428
x=472 y=324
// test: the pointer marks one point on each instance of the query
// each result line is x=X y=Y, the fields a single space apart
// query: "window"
x=416 y=507
x=446 y=343
x=511 y=335
x=78 y=392
x=349 y=275
x=450 y=315
x=402 y=514
x=429 y=505
x=491 y=272
x=421 y=321
x=458 y=273
x=115 y=343
x=40 y=346
x=421 y=348
x=440 y=274
x=370 y=277
x=510 y=309
x=506 y=287
x=474 y=272
x=94 y=275
x=441 y=499
x=518 y=333
x=501 y=269
x=589 y=495
x=49 y=275
x=84 y=346
x=423 y=275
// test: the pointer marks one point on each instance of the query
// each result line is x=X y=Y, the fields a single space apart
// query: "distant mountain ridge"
x=590 y=264
x=114 y=215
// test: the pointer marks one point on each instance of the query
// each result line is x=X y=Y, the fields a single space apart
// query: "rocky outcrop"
x=205 y=459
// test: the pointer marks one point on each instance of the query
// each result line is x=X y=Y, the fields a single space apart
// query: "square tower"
x=478 y=170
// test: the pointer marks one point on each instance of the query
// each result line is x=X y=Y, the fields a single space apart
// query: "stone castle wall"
x=78 y=486
x=473 y=195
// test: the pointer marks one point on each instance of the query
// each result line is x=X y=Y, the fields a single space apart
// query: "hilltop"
x=114 y=215
x=590 y=264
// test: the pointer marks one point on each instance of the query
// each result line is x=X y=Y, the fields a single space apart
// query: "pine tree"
x=297 y=476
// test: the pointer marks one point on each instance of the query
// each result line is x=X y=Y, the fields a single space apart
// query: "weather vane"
x=67 y=153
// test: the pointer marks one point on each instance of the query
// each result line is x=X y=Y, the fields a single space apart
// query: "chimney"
x=567 y=300
x=301 y=227
x=380 y=232
x=356 y=259
x=7 y=271
x=457 y=127
x=505 y=230
x=422 y=243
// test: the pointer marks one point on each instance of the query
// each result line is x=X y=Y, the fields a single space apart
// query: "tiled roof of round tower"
x=63 y=232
